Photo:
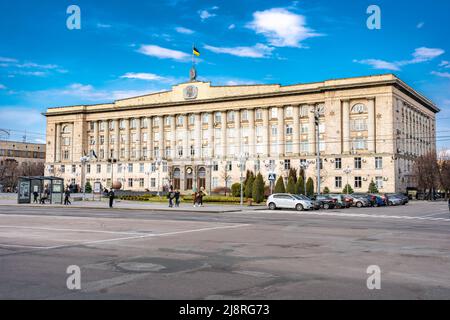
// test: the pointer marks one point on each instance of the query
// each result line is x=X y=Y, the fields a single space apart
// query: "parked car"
x=316 y=204
x=395 y=200
x=289 y=201
x=405 y=199
x=342 y=201
x=326 y=202
x=378 y=201
x=361 y=201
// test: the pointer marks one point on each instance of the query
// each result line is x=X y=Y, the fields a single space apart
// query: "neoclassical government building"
x=201 y=135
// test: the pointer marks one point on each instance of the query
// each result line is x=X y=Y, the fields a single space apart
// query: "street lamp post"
x=157 y=164
x=112 y=161
x=347 y=171
x=242 y=162
x=304 y=166
x=84 y=160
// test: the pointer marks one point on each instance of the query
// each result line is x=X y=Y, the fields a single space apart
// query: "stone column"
x=127 y=139
x=251 y=133
x=96 y=137
x=223 y=133
x=173 y=141
x=296 y=130
x=281 y=132
x=186 y=151
x=139 y=139
x=106 y=146
x=117 y=140
x=238 y=133
x=312 y=131
x=150 y=138
x=266 y=130
x=345 y=126
x=198 y=135
x=162 y=138
x=371 y=144
x=58 y=143
x=211 y=140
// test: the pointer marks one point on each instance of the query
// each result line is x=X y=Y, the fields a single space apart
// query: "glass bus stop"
x=29 y=185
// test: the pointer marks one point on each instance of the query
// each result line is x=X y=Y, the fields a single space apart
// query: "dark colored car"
x=342 y=201
x=326 y=202
x=404 y=198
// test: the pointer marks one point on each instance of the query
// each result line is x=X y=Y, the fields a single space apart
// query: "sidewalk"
x=131 y=205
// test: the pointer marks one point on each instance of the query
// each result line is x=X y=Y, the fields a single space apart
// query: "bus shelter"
x=29 y=185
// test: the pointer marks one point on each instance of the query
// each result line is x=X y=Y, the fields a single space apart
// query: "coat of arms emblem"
x=190 y=92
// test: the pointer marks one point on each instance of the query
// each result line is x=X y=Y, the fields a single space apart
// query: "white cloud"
x=419 y=55
x=444 y=64
x=379 y=64
x=30 y=65
x=231 y=26
x=143 y=76
x=184 y=30
x=420 y=25
x=257 y=51
x=204 y=14
x=281 y=27
x=441 y=74
x=163 y=53
x=103 y=26
x=8 y=60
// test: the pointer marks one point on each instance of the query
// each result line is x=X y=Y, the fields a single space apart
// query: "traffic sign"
x=272 y=177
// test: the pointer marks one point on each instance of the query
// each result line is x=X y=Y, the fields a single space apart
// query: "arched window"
x=359 y=108
x=65 y=129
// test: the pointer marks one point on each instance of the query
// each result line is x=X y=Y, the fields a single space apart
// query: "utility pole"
x=317 y=122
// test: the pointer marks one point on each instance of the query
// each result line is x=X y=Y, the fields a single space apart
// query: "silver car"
x=289 y=201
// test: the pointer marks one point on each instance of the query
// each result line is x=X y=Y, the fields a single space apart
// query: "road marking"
x=71 y=230
x=357 y=215
x=128 y=238
x=21 y=246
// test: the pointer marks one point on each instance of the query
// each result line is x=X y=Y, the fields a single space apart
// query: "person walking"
x=67 y=197
x=195 y=196
x=177 y=198
x=171 y=196
x=448 y=204
x=201 y=194
x=46 y=195
x=35 y=197
x=111 y=196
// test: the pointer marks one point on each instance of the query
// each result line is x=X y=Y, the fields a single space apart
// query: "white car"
x=289 y=201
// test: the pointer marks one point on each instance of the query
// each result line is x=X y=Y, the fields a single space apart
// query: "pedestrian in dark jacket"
x=171 y=196
x=67 y=197
x=35 y=197
x=111 y=196
x=177 y=198
x=449 y=204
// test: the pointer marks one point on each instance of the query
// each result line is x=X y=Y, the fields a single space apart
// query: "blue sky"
x=127 y=48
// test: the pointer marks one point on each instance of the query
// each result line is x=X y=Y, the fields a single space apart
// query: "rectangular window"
x=289 y=112
x=338 y=182
x=130 y=182
x=205 y=118
x=358 y=182
x=244 y=115
x=358 y=125
x=141 y=182
x=180 y=120
x=145 y=123
x=141 y=168
x=191 y=119
x=133 y=124
x=304 y=128
x=359 y=144
x=289 y=147
x=287 y=164
x=88 y=168
x=215 y=182
x=274 y=130
x=119 y=168
x=304 y=147
x=63 y=169
x=229 y=166
x=99 y=168
x=259 y=114
x=274 y=113
x=378 y=163
x=358 y=163
x=108 y=168
x=66 y=155
x=91 y=125
x=130 y=168
x=379 y=182
x=289 y=129
x=230 y=116
x=152 y=182
x=168 y=121
x=218 y=117
x=215 y=166
x=338 y=163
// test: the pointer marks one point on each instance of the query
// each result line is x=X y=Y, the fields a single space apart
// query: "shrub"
x=236 y=189
x=219 y=190
x=258 y=189
x=279 y=186
x=326 y=190
x=300 y=186
x=373 y=187
x=347 y=190
x=88 y=187
x=249 y=186
x=290 y=188
x=310 y=187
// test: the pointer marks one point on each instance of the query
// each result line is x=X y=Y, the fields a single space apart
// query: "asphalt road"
x=134 y=254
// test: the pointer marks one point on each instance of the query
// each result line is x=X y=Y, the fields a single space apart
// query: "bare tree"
x=426 y=170
x=9 y=174
x=444 y=172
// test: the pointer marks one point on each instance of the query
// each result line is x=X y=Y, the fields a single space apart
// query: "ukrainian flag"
x=195 y=52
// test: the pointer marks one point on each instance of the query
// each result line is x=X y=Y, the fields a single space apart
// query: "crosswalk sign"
x=272 y=177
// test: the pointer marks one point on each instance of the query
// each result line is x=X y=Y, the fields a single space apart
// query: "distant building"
x=22 y=152
x=369 y=128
